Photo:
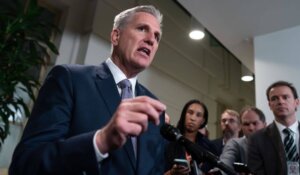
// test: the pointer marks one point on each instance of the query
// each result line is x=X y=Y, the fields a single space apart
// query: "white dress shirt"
x=294 y=128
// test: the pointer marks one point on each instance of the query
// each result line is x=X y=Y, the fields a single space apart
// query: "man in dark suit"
x=80 y=125
x=267 y=148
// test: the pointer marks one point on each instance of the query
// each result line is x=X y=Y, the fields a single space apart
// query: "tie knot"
x=124 y=84
x=126 y=91
x=287 y=131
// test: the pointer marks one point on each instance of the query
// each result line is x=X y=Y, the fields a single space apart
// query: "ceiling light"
x=247 y=78
x=197 y=30
x=247 y=75
x=197 y=34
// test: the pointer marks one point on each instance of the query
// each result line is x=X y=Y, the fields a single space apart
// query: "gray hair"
x=122 y=18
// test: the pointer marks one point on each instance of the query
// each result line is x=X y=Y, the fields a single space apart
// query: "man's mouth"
x=281 y=109
x=144 y=50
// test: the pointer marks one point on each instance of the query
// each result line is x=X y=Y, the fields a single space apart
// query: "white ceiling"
x=236 y=22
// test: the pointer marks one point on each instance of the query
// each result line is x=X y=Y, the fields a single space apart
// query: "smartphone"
x=241 y=167
x=182 y=162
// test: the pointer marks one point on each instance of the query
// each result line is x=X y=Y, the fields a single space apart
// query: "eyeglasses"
x=230 y=120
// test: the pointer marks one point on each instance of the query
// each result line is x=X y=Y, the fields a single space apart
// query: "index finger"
x=159 y=106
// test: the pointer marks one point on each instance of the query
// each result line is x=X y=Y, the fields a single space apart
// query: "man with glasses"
x=230 y=125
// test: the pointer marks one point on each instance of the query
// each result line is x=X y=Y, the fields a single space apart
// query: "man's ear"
x=269 y=105
x=114 y=36
x=297 y=103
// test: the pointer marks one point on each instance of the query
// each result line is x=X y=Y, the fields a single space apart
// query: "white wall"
x=277 y=57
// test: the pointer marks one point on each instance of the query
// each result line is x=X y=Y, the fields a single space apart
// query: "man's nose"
x=150 y=39
x=281 y=100
x=251 y=127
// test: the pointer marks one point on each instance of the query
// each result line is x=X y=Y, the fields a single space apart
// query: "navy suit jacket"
x=74 y=102
x=218 y=143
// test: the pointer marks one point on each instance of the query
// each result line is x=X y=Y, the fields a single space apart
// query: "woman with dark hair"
x=194 y=116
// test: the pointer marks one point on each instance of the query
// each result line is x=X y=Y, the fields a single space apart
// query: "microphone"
x=199 y=153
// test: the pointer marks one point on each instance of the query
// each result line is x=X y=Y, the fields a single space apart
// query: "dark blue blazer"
x=218 y=143
x=74 y=102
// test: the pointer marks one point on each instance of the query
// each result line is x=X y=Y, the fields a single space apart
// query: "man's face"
x=282 y=102
x=251 y=122
x=230 y=125
x=136 y=43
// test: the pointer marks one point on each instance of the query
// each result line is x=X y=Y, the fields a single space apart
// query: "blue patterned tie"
x=290 y=146
x=126 y=92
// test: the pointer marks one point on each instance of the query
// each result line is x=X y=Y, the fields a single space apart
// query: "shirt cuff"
x=99 y=156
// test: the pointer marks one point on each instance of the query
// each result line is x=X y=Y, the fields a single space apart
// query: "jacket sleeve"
x=46 y=146
x=230 y=153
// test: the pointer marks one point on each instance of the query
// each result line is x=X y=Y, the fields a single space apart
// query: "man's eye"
x=286 y=97
x=141 y=29
x=157 y=37
x=273 y=98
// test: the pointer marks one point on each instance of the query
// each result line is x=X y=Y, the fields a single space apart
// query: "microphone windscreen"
x=169 y=132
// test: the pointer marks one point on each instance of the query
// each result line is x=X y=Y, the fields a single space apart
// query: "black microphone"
x=199 y=153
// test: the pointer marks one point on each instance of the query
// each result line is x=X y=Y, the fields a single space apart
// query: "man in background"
x=275 y=149
x=230 y=126
x=236 y=149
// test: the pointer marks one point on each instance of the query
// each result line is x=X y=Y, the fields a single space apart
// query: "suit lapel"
x=277 y=143
x=108 y=90
x=142 y=152
x=139 y=91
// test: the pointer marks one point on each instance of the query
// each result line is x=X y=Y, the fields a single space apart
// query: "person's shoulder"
x=236 y=140
x=260 y=133
x=77 y=68
x=72 y=67
x=202 y=138
x=217 y=140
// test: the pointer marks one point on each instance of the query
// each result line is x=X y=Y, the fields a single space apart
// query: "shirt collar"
x=293 y=127
x=118 y=74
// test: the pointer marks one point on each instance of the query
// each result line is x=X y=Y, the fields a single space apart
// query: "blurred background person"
x=236 y=149
x=230 y=126
x=194 y=116
x=204 y=131
x=275 y=149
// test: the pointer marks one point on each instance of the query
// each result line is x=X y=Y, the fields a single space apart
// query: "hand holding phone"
x=182 y=163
